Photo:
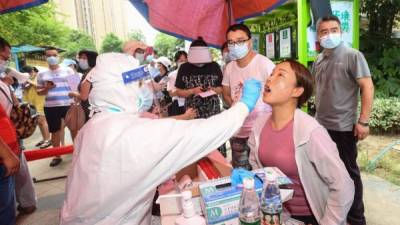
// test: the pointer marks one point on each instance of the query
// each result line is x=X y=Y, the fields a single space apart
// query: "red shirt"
x=7 y=132
x=277 y=149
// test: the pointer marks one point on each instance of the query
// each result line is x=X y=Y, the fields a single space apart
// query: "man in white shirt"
x=54 y=84
x=246 y=64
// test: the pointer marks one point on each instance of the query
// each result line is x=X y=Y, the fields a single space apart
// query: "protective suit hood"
x=109 y=92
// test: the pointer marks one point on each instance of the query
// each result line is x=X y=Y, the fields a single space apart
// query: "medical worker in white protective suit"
x=119 y=158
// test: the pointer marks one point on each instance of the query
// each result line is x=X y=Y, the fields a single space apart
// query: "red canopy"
x=7 y=6
x=210 y=19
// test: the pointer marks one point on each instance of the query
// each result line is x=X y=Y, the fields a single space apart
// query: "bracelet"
x=365 y=124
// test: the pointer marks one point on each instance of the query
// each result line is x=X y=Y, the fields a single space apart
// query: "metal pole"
x=231 y=19
x=15 y=56
x=302 y=13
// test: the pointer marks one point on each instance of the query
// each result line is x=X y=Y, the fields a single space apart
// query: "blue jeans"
x=7 y=199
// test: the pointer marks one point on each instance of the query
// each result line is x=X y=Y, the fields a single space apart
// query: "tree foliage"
x=76 y=41
x=167 y=45
x=380 y=50
x=111 y=43
x=382 y=15
x=137 y=35
x=35 y=26
x=39 y=26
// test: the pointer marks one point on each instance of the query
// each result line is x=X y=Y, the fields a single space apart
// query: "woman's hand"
x=11 y=163
x=190 y=114
x=73 y=94
x=196 y=90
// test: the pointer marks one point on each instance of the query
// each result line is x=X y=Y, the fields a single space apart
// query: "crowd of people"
x=135 y=133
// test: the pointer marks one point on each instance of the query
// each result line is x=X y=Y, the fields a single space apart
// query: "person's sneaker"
x=39 y=143
x=26 y=210
x=55 y=162
x=45 y=144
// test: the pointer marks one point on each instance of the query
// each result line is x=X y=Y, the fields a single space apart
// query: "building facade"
x=94 y=17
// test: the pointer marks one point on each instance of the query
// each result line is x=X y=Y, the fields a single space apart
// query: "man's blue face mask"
x=238 y=51
x=331 y=41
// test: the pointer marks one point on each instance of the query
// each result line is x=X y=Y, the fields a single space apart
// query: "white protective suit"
x=120 y=159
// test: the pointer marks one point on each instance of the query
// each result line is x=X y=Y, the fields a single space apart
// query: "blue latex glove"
x=238 y=175
x=251 y=93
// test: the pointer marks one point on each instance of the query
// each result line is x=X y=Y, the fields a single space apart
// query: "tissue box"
x=220 y=201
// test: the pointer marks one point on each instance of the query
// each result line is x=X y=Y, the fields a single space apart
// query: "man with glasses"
x=341 y=73
x=246 y=64
x=54 y=85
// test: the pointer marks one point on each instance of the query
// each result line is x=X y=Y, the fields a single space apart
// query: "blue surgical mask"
x=144 y=99
x=52 y=60
x=238 y=51
x=226 y=57
x=149 y=58
x=154 y=71
x=331 y=41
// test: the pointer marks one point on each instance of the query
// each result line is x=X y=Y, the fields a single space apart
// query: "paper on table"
x=73 y=82
x=207 y=93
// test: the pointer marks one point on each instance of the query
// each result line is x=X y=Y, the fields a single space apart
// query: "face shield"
x=115 y=86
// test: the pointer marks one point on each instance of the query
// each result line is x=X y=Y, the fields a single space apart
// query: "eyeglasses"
x=239 y=42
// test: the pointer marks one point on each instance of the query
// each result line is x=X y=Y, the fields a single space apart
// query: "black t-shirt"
x=191 y=76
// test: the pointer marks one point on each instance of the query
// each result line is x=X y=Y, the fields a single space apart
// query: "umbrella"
x=7 y=6
x=26 y=48
x=210 y=19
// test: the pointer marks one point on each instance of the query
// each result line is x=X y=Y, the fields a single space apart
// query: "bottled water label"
x=245 y=221
x=272 y=205
x=271 y=219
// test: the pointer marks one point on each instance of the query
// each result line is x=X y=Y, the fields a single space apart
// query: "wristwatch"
x=365 y=124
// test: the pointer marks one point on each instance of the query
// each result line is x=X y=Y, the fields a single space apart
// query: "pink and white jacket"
x=327 y=184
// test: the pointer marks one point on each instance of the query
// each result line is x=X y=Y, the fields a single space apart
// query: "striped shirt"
x=57 y=96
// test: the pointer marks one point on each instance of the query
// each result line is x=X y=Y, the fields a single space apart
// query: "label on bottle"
x=271 y=219
x=242 y=222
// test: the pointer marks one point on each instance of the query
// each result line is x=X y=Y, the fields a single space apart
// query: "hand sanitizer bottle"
x=189 y=215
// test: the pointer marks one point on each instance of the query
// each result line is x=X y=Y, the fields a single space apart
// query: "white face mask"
x=3 y=65
x=178 y=64
x=83 y=64
x=140 y=57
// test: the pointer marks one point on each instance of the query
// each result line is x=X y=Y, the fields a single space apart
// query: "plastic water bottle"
x=249 y=208
x=271 y=203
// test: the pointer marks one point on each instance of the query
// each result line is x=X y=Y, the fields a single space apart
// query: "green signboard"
x=286 y=31
x=344 y=11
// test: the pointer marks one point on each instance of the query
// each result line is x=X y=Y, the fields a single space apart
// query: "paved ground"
x=382 y=199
